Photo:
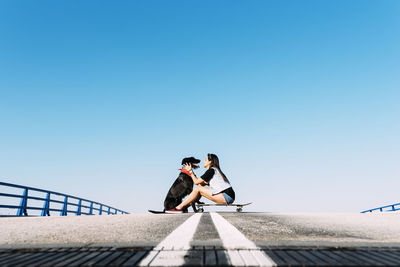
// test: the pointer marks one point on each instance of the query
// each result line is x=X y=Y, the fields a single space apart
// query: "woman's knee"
x=204 y=191
x=200 y=188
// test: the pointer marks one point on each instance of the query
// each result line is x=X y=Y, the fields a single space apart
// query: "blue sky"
x=299 y=99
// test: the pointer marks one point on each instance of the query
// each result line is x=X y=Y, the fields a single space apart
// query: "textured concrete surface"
x=341 y=229
x=379 y=229
x=107 y=230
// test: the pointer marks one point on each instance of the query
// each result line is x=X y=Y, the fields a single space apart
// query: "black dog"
x=182 y=187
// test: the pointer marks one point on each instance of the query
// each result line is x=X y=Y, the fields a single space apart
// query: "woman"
x=220 y=190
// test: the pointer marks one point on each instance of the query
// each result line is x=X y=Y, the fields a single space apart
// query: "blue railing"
x=392 y=207
x=79 y=207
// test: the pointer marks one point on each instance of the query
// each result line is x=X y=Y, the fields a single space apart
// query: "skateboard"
x=157 y=211
x=239 y=207
x=160 y=211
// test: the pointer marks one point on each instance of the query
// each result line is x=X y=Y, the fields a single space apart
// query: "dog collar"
x=185 y=171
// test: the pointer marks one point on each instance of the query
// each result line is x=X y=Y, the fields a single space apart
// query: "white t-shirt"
x=214 y=178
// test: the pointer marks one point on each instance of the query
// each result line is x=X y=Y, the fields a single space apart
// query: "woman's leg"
x=206 y=192
x=192 y=197
x=202 y=191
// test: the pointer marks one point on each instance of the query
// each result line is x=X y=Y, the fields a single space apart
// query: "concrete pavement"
x=77 y=231
x=149 y=229
x=239 y=239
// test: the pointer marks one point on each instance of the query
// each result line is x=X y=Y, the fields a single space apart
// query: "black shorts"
x=229 y=191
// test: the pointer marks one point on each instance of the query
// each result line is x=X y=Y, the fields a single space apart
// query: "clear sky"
x=299 y=99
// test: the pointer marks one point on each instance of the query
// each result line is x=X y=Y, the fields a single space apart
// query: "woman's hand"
x=188 y=167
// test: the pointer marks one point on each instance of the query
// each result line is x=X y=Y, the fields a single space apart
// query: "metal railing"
x=82 y=204
x=393 y=207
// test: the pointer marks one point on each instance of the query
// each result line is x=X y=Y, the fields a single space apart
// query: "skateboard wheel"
x=200 y=210
x=239 y=209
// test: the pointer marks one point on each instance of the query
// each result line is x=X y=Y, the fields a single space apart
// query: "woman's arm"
x=196 y=180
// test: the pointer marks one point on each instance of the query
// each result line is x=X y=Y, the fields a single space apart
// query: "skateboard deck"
x=239 y=206
x=157 y=211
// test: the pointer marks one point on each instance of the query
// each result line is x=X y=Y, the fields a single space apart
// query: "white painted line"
x=179 y=240
x=233 y=239
x=249 y=258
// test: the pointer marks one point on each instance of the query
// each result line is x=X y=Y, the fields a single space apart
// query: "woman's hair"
x=215 y=163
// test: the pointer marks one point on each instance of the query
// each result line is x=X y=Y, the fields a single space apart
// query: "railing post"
x=108 y=211
x=78 y=211
x=101 y=209
x=22 y=205
x=91 y=208
x=46 y=206
x=115 y=211
x=64 y=210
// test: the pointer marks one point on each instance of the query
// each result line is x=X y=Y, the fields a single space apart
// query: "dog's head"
x=192 y=161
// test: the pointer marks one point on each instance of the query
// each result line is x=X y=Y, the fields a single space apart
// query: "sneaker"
x=174 y=211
